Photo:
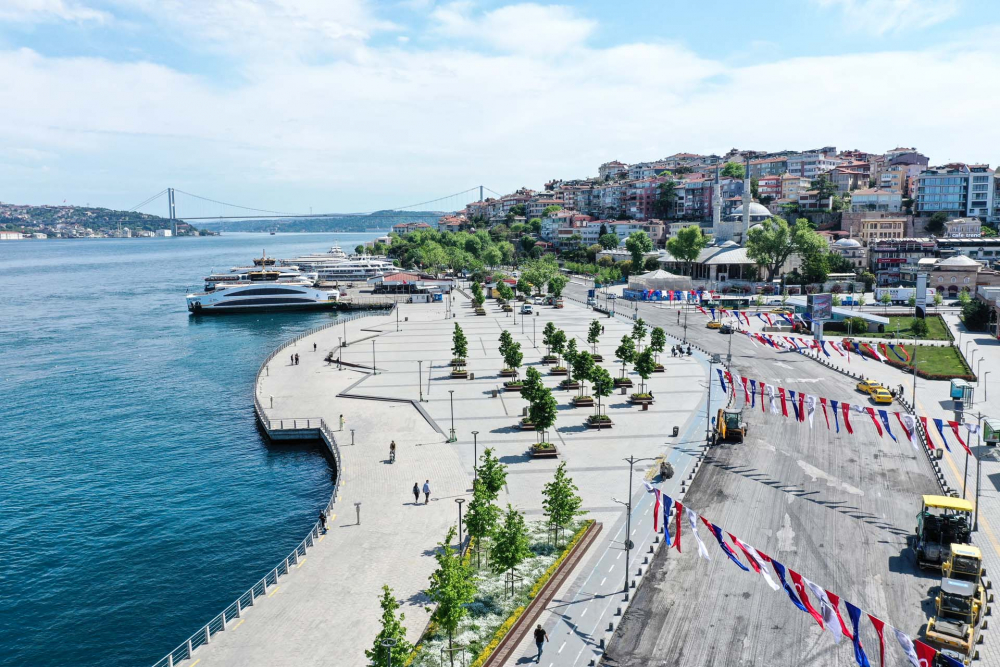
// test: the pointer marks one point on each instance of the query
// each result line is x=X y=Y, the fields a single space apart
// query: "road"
x=835 y=508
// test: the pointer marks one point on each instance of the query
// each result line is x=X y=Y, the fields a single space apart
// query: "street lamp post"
x=388 y=643
x=345 y=333
x=420 y=379
x=475 y=457
x=397 y=317
x=451 y=398
x=459 y=501
x=985 y=384
x=979 y=364
x=374 y=372
x=708 y=406
x=533 y=343
x=628 y=516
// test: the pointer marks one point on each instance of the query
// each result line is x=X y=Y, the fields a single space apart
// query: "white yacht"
x=241 y=274
x=336 y=266
x=263 y=290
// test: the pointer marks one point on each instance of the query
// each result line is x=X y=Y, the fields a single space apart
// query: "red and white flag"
x=826 y=610
x=909 y=425
x=800 y=588
x=879 y=628
x=822 y=402
x=784 y=405
x=757 y=561
x=693 y=522
x=927 y=433
x=835 y=601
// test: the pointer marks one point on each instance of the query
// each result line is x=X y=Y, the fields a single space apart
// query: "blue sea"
x=137 y=497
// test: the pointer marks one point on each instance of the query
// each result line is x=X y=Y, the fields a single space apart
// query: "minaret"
x=746 y=200
x=717 y=206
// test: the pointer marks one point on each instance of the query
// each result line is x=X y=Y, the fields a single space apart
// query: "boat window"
x=263 y=302
x=262 y=291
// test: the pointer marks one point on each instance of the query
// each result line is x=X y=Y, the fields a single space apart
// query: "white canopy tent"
x=659 y=280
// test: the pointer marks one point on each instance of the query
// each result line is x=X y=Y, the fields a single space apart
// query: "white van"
x=526 y=309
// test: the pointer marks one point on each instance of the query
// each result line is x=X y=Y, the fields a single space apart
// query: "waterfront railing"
x=271 y=426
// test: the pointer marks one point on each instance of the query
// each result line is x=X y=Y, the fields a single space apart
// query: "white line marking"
x=619 y=554
x=561 y=648
x=586 y=609
x=603 y=580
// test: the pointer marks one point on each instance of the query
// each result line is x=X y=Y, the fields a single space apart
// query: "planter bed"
x=583 y=401
x=514 y=386
x=597 y=358
x=569 y=384
x=622 y=382
x=508 y=309
x=558 y=370
x=659 y=369
x=548 y=451
x=526 y=425
x=550 y=359
x=637 y=399
x=605 y=422
x=508 y=373
x=460 y=374
x=458 y=362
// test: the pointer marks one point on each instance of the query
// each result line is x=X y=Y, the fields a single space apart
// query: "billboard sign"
x=921 y=295
x=820 y=307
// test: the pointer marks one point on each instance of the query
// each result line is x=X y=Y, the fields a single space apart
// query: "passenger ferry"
x=262 y=292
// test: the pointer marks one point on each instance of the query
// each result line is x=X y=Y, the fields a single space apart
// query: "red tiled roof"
x=400 y=277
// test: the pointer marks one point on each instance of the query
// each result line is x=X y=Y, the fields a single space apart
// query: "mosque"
x=737 y=225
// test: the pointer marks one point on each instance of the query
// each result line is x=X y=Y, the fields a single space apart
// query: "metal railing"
x=249 y=598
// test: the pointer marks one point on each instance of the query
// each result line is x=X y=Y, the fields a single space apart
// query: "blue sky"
x=355 y=105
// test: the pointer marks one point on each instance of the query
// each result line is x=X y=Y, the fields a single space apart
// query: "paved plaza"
x=327 y=610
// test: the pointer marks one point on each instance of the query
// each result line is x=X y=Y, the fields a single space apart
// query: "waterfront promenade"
x=326 y=610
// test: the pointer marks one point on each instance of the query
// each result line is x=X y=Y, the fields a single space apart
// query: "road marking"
x=619 y=555
x=269 y=595
x=321 y=538
x=602 y=583
x=586 y=609
x=195 y=662
x=239 y=624
x=301 y=562
x=561 y=648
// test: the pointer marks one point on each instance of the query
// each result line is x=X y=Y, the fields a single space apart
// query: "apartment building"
x=641 y=197
x=888 y=256
x=963 y=228
x=957 y=189
x=847 y=178
x=611 y=169
x=891 y=177
x=769 y=186
x=792 y=186
x=876 y=199
x=811 y=165
x=768 y=167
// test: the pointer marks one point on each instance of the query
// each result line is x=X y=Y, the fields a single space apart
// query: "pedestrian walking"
x=427 y=492
x=341 y=422
x=293 y=360
x=540 y=638
x=416 y=493
x=296 y=359
x=322 y=519
x=314 y=347
x=392 y=452
x=678 y=317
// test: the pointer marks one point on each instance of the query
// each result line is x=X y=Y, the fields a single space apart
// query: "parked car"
x=526 y=309
x=538 y=301
x=880 y=395
x=726 y=329
x=868 y=386
x=591 y=301
x=714 y=324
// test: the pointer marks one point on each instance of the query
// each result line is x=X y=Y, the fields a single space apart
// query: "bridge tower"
x=172 y=206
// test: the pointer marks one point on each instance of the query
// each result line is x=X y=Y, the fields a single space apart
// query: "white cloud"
x=522 y=28
x=386 y=126
x=42 y=11
x=885 y=16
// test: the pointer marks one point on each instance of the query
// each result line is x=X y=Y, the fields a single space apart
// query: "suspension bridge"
x=200 y=208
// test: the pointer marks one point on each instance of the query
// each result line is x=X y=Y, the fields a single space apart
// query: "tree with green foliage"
x=523 y=286
x=666 y=199
x=912 y=301
x=491 y=256
x=506 y=340
x=935 y=225
x=733 y=170
x=527 y=244
x=938 y=298
x=504 y=290
x=452 y=587
x=774 y=240
x=824 y=187
x=538 y=272
x=626 y=352
x=477 y=294
x=975 y=314
x=512 y=358
x=638 y=244
x=549 y=210
x=836 y=300
x=639 y=333
x=644 y=366
x=557 y=284
x=459 y=344
x=491 y=473
x=543 y=411
x=608 y=241
x=532 y=384
x=535 y=225
x=359 y=249
x=862 y=300
x=919 y=327
x=964 y=298
x=885 y=300
x=603 y=384
x=594 y=334
x=561 y=503
x=547 y=333
x=868 y=278
x=392 y=629
x=657 y=340
x=583 y=367
x=482 y=516
x=557 y=345
x=686 y=245
x=570 y=356
x=511 y=545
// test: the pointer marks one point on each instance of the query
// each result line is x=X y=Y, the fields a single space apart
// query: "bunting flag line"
x=927 y=433
x=846 y=409
x=774 y=401
x=753 y=393
x=717 y=532
x=859 y=651
x=746 y=391
x=800 y=588
x=836 y=348
x=829 y=614
x=822 y=402
x=784 y=405
x=879 y=628
x=795 y=405
x=871 y=413
x=729 y=379
x=668 y=503
x=907 y=645
x=713 y=312
x=940 y=428
x=905 y=357
x=780 y=569
x=703 y=311
x=822 y=345
x=872 y=351
x=802 y=407
x=693 y=523
x=836 y=418
x=835 y=600
x=811 y=409
x=678 y=509
x=722 y=381
x=756 y=560
x=958 y=436
x=925 y=654
x=909 y=426
x=884 y=416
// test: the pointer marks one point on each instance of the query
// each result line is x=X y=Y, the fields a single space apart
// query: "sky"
x=356 y=105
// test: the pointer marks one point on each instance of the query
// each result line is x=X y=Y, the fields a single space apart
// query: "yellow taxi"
x=714 y=324
x=880 y=395
x=784 y=310
x=868 y=386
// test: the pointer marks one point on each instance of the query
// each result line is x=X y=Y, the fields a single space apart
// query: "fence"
x=249 y=598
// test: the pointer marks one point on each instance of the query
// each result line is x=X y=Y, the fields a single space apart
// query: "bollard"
x=639 y=573
x=656 y=540
x=618 y=612
x=645 y=559
x=651 y=547
x=611 y=627
x=633 y=584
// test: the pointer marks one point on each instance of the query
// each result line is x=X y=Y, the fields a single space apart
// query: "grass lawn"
x=944 y=361
x=936 y=328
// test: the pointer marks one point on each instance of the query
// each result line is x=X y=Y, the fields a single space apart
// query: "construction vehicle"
x=958 y=620
x=942 y=521
x=729 y=426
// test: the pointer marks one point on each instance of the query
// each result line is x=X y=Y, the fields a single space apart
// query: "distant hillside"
x=381 y=220
x=18 y=217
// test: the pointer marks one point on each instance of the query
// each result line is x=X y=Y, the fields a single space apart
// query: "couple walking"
x=427 y=492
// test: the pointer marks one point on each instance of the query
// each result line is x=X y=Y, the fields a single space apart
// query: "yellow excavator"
x=729 y=426
x=960 y=605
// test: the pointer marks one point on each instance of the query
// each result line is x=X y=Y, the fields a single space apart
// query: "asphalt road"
x=836 y=508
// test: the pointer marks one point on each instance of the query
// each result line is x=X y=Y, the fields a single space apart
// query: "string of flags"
x=826 y=608
x=803 y=407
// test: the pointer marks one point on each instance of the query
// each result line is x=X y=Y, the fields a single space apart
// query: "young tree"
x=638 y=244
x=459 y=344
x=532 y=384
x=963 y=298
x=557 y=283
x=561 y=502
x=608 y=241
x=862 y=300
x=510 y=545
x=547 y=333
x=835 y=299
x=477 y=294
x=491 y=474
x=912 y=301
x=557 y=343
x=570 y=356
x=505 y=292
x=512 y=358
x=644 y=366
x=482 y=516
x=666 y=199
x=583 y=368
x=594 y=334
x=639 y=333
x=392 y=628
x=603 y=384
x=543 y=411
x=626 y=352
x=919 y=327
x=451 y=586
x=686 y=246
x=506 y=340
x=775 y=240
x=885 y=300
x=935 y=225
x=938 y=298
x=657 y=340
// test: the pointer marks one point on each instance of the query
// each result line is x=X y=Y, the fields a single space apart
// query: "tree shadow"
x=515 y=458
x=506 y=429
x=581 y=428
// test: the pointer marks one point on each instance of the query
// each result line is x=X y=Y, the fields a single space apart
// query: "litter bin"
x=472 y=376
x=675 y=431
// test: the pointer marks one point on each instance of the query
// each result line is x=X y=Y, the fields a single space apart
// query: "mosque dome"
x=847 y=243
x=757 y=211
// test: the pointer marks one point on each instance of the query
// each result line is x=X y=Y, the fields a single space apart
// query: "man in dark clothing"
x=416 y=493
x=540 y=638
